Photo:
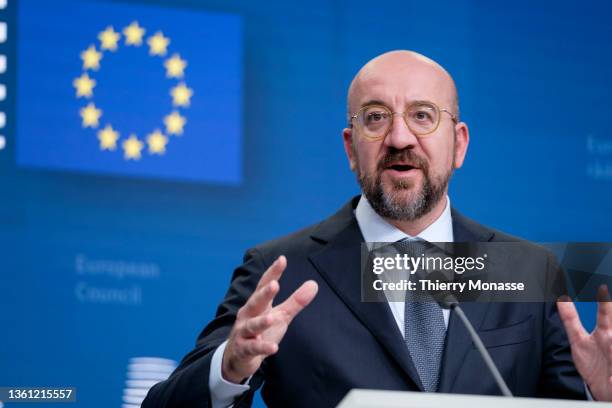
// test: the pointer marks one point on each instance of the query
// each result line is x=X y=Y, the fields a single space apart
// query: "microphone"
x=451 y=302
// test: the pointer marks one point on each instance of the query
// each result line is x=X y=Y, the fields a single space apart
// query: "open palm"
x=592 y=352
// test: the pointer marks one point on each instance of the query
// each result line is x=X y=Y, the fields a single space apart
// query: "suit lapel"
x=459 y=343
x=458 y=340
x=339 y=263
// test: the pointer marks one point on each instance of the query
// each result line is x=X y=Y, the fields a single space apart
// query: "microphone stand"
x=453 y=304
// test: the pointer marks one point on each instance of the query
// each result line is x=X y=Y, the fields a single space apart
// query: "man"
x=293 y=319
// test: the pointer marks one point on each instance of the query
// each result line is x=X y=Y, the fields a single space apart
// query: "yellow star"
x=109 y=39
x=158 y=44
x=132 y=148
x=91 y=58
x=157 y=142
x=181 y=95
x=174 y=123
x=133 y=34
x=84 y=86
x=108 y=138
x=91 y=115
x=175 y=66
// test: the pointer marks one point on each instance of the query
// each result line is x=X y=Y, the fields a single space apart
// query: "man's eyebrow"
x=373 y=102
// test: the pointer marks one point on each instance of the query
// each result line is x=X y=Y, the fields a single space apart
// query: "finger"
x=260 y=300
x=256 y=325
x=604 y=308
x=274 y=272
x=258 y=347
x=299 y=299
x=571 y=321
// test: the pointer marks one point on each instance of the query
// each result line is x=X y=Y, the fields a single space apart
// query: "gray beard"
x=394 y=205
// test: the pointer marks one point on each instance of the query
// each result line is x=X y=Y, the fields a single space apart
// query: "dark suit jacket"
x=339 y=343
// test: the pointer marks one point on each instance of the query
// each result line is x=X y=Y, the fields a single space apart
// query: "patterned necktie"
x=424 y=328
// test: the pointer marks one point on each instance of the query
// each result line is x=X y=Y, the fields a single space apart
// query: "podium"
x=405 y=399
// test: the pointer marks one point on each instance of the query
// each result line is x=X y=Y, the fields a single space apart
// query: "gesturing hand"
x=592 y=353
x=259 y=327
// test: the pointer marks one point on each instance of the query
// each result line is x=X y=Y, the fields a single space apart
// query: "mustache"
x=405 y=155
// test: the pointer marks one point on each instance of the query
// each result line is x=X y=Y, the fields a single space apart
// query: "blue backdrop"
x=99 y=269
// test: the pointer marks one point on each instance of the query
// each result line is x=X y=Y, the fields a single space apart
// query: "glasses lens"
x=374 y=121
x=422 y=117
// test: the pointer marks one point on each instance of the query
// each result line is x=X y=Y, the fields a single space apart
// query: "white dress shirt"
x=374 y=228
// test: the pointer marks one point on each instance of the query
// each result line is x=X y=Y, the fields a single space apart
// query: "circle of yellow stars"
x=173 y=123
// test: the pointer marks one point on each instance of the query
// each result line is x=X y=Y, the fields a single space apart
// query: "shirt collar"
x=374 y=228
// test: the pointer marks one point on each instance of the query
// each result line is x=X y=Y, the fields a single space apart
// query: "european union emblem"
x=129 y=89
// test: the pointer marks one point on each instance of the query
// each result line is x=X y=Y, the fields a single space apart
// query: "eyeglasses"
x=421 y=117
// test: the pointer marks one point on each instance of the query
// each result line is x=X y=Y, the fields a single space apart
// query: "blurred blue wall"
x=534 y=87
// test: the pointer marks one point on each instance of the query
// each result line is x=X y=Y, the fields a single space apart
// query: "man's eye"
x=422 y=116
x=373 y=117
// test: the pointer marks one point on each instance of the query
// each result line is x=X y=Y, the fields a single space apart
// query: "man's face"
x=404 y=176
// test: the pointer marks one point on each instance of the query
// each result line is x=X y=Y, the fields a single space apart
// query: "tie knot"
x=413 y=247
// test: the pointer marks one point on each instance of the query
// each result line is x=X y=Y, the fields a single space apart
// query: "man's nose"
x=400 y=136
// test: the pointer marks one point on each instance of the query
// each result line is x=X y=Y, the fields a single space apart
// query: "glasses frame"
x=439 y=111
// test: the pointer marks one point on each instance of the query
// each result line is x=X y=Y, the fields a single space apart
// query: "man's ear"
x=347 y=135
x=462 y=140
